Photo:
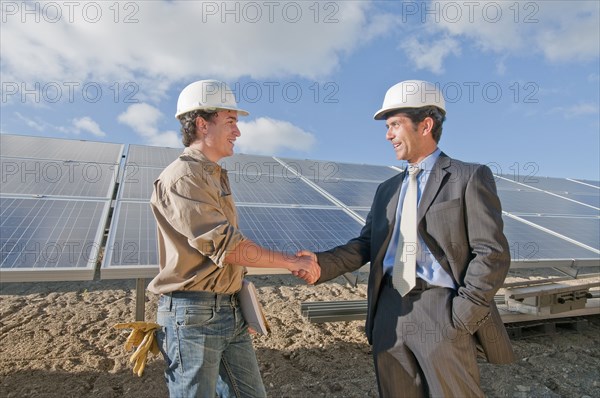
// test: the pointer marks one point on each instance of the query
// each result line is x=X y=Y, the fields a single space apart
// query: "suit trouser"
x=417 y=350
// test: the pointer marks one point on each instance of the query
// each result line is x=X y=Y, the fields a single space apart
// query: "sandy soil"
x=57 y=340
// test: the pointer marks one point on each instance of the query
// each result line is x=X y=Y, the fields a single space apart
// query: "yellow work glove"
x=142 y=337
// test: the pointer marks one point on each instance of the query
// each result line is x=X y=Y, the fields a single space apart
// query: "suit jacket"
x=460 y=220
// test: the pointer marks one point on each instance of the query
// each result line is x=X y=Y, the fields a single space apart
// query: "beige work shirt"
x=197 y=227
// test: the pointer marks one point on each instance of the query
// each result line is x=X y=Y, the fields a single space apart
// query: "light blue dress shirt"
x=428 y=268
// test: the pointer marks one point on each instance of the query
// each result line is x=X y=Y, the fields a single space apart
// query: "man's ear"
x=427 y=125
x=200 y=124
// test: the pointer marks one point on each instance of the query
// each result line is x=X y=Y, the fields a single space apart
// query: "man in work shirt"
x=203 y=255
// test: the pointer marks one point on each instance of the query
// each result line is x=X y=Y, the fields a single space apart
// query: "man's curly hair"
x=188 y=124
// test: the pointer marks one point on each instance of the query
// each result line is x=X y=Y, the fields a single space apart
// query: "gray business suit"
x=459 y=218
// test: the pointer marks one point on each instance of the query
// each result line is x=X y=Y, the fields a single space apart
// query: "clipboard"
x=252 y=309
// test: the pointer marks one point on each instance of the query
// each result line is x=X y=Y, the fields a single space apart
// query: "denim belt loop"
x=168 y=301
x=218 y=301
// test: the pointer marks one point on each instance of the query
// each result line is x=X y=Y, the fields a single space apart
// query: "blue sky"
x=522 y=78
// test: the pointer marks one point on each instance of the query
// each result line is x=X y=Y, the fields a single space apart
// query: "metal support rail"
x=339 y=311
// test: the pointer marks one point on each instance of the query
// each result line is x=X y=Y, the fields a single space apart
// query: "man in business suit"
x=426 y=329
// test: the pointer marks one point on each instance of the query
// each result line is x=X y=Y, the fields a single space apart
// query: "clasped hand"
x=307 y=267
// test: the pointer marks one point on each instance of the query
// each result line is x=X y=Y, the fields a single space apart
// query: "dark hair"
x=188 y=124
x=417 y=115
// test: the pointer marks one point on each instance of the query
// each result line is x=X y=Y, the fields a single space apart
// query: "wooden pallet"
x=545 y=327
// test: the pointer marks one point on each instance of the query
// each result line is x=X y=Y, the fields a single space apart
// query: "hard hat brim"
x=240 y=112
x=380 y=114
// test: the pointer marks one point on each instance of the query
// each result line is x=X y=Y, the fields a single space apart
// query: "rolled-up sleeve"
x=200 y=210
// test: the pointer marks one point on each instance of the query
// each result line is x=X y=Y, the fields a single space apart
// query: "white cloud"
x=580 y=109
x=34 y=124
x=431 y=55
x=167 y=42
x=266 y=136
x=488 y=24
x=77 y=126
x=573 y=33
x=561 y=31
x=87 y=124
x=143 y=119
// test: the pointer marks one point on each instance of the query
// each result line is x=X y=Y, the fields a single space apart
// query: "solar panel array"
x=68 y=205
x=54 y=205
x=278 y=208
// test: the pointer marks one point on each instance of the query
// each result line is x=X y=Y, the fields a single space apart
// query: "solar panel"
x=50 y=239
x=159 y=157
x=131 y=250
x=592 y=200
x=57 y=178
x=133 y=241
x=59 y=237
x=587 y=182
x=583 y=230
x=555 y=185
x=529 y=243
x=273 y=190
x=541 y=203
x=292 y=229
x=325 y=171
x=151 y=156
x=138 y=182
x=351 y=193
x=21 y=146
x=361 y=212
x=504 y=185
x=250 y=165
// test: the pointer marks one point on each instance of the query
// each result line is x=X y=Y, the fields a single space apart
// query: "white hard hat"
x=411 y=94
x=209 y=95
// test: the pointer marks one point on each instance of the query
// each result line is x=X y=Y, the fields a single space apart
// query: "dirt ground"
x=57 y=340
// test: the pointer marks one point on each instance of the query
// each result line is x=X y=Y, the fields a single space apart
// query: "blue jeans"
x=207 y=348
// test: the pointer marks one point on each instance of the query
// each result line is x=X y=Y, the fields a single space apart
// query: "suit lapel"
x=434 y=182
x=390 y=201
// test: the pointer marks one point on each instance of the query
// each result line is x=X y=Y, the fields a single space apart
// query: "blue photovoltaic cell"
x=57 y=178
x=21 y=146
x=583 y=230
x=528 y=243
x=351 y=193
x=49 y=234
x=504 y=185
x=541 y=203
x=325 y=171
x=138 y=182
x=589 y=182
x=555 y=185
x=134 y=236
x=282 y=229
x=274 y=190
x=151 y=156
x=592 y=200
x=250 y=165
x=289 y=230
x=362 y=213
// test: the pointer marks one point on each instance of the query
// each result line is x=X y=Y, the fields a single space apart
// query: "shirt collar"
x=197 y=155
x=428 y=163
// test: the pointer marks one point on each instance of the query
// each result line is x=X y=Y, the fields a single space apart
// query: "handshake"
x=306 y=266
